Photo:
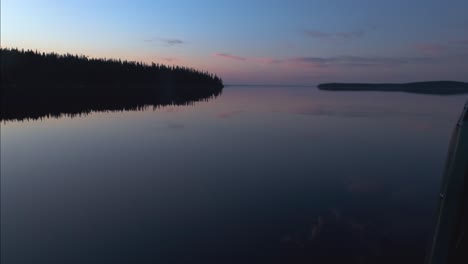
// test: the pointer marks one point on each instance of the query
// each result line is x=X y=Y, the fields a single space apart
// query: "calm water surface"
x=257 y=175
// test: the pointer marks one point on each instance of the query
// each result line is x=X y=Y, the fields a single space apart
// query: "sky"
x=256 y=42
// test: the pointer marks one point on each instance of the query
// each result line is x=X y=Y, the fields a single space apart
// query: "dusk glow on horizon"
x=256 y=42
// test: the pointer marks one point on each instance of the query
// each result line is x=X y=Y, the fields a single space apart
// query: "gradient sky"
x=256 y=42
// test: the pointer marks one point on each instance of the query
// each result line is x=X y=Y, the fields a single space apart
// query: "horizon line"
x=273 y=85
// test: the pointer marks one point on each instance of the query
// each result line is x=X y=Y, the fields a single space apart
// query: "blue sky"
x=294 y=42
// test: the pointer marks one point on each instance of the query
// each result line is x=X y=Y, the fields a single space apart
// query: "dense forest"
x=434 y=87
x=35 y=84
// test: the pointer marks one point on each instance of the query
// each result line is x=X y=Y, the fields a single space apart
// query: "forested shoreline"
x=35 y=84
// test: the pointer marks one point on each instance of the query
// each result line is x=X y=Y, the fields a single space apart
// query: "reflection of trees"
x=37 y=84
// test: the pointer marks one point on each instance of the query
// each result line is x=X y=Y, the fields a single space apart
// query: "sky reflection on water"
x=259 y=174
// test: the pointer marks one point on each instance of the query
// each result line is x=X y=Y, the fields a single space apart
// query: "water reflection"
x=245 y=178
x=18 y=109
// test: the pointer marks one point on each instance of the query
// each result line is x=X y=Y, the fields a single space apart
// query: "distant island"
x=35 y=84
x=435 y=87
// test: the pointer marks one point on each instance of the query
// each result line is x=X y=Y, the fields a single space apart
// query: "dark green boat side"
x=450 y=238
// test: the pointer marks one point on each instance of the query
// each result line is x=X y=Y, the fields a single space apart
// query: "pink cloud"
x=303 y=62
x=430 y=48
x=334 y=61
x=267 y=60
x=229 y=56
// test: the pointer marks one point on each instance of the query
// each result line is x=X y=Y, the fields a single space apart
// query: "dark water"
x=257 y=175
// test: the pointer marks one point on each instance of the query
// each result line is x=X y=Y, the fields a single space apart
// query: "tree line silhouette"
x=35 y=84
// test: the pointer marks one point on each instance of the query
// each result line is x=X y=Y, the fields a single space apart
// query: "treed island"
x=433 y=87
x=36 y=85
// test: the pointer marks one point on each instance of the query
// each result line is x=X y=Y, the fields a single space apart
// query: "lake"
x=256 y=175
